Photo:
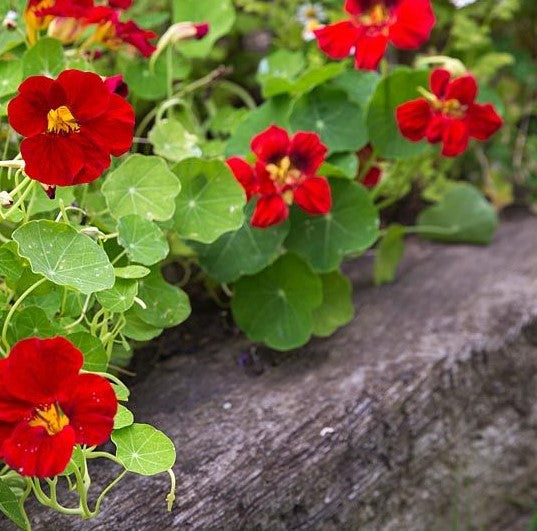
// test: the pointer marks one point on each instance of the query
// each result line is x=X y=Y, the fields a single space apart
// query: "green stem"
x=238 y=91
x=13 y=309
x=106 y=490
x=104 y=455
x=20 y=200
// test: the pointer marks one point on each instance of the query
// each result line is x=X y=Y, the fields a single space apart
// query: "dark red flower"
x=374 y=173
x=112 y=33
x=72 y=125
x=406 y=24
x=448 y=114
x=47 y=406
x=116 y=85
x=284 y=172
x=120 y=4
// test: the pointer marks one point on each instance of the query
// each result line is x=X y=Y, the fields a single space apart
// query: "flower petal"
x=27 y=112
x=245 y=174
x=271 y=145
x=270 y=210
x=372 y=177
x=354 y=7
x=31 y=451
x=91 y=409
x=52 y=159
x=483 y=121
x=435 y=129
x=11 y=409
x=314 y=195
x=114 y=129
x=369 y=51
x=336 y=40
x=455 y=138
x=87 y=95
x=463 y=89
x=439 y=80
x=307 y=152
x=413 y=118
x=414 y=21
x=42 y=370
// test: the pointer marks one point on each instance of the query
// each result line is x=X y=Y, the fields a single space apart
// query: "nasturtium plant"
x=241 y=150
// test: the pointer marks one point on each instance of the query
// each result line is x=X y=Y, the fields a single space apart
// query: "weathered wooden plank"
x=424 y=406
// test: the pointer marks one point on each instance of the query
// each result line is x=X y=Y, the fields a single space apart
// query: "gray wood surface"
x=418 y=415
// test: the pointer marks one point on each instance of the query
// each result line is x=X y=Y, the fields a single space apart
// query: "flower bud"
x=66 y=30
x=5 y=199
x=10 y=20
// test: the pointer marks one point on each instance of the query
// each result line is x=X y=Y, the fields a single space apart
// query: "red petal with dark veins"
x=336 y=40
x=413 y=118
x=439 y=80
x=270 y=210
x=314 y=196
x=271 y=145
x=463 y=89
x=414 y=21
x=245 y=174
x=483 y=121
x=307 y=152
x=455 y=138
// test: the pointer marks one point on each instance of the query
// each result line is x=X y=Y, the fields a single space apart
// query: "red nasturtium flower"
x=285 y=172
x=72 y=125
x=448 y=114
x=406 y=24
x=47 y=406
x=374 y=173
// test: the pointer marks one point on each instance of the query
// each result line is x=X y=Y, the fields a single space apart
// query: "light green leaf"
x=10 y=77
x=142 y=239
x=336 y=309
x=40 y=202
x=120 y=297
x=10 y=506
x=172 y=141
x=45 y=58
x=358 y=84
x=139 y=330
x=389 y=254
x=64 y=256
x=123 y=418
x=351 y=226
x=95 y=357
x=398 y=87
x=464 y=215
x=166 y=305
x=143 y=449
x=242 y=252
x=339 y=122
x=142 y=185
x=275 y=306
x=211 y=202
x=219 y=15
x=132 y=271
x=31 y=322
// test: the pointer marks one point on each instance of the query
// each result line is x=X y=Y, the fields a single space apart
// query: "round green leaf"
x=219 y=15
x=95 y=357
x=211 y=202
x=143 y=449
x=142 y=185
x=398 y=87
x=64 y=256
x=389 y=254
x=358 y=84
x=166 y=305
x=120 y=297
x=142 y=239
x=351 y=226
x=132 y=271
x=242 y=252
x=172 y=141
x=339 y=122
x=275 y=306
x=31 y=322
x=139 y=330
x=463 y=215
x=45 y=58
x=10 y=77
x=123 y=418
x=336 y=309
x=10 y=506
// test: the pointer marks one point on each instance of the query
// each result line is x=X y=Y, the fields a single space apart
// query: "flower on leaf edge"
x=448 y=114
x=47 y=406
x=285 y=172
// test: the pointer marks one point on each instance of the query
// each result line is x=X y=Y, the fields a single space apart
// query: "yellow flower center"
x=283 y=173
x=453 y=108
x=377 y=15
x=61 y=120
x=51 y=418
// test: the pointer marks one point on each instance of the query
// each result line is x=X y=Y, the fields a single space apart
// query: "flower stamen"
x=50 y=417
x=61 y=120
x=283 y=172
